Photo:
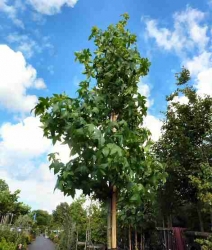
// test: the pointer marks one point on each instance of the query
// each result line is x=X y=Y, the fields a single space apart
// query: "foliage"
x=67 y=238
x=3 y=186
x=8 y=200
x=24 y=221
x=43 y=218
x=21 y=209
x=97 y=223
x=58 y=216
x=77 y=213
x=185 y=146
x=9 y=203
x=206 y=244
x=203 y=183
x=79 y=217
x=10 y=238
x=4 y=245
x=106 y=152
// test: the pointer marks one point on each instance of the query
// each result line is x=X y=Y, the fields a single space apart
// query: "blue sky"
x=38 y=39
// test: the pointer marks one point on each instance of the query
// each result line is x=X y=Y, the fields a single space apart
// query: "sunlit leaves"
x=107 y=152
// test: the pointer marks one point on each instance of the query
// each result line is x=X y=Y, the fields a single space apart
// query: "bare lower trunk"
x=109 y=223
x=200 y=219
x=169 y=235
x=136 y=239
x=141 y=242
x=113 y=202
x=164 y=233
x=211 y=218
x=113 y=219
x=130 y=241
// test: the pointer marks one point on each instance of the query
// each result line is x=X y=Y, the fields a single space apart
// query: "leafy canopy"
x=8 y=200
x=185 y=145
x=105 y=152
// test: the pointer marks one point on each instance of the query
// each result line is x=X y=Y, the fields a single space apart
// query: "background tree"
x=185 y=146
x=69 y=233
x=8 y=200
x=24 y=221
x=79 y=217
x=103 y=125
x=97 y=222
x=3 y=185
x=43 y=219
x=58 y=216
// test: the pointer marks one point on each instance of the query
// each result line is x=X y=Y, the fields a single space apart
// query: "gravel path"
x=42 y=243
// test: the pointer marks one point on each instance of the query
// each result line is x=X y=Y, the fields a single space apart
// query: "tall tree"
x=103 y=125
x=185 y=145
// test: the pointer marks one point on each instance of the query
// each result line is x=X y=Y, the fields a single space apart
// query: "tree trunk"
x=169 y=220
x=164 y=233
x=113 y=219
x=141 y=242
x=109 y=223
x=200 y=219
x=130 y=243
x=211 y=218
x=169 y=235
x=136 y=239
x=113 y=203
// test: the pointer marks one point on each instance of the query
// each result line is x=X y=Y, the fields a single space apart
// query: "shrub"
x=206 y=244
x=4 y=245
x=14 y=237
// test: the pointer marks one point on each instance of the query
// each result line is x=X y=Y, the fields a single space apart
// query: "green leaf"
x=135 y=197
x=105 y=151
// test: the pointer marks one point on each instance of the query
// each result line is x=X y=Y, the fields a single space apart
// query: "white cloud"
x=181 y=99
x=204 y=82
x=24 y=142
x=38 y=190
x=144 y=90
x=51 y=7
x=164 y=38
x=24 y=165
x=40 y=84
x=38 y=18
x=16 y=76
x=188 y=33
x=27 y=45
x=154 y=125
x=189 y=39
x=24 y=139
x=199 y=63
x=11 y=11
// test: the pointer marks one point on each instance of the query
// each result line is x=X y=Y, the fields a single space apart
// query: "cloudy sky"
x=38 y=39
